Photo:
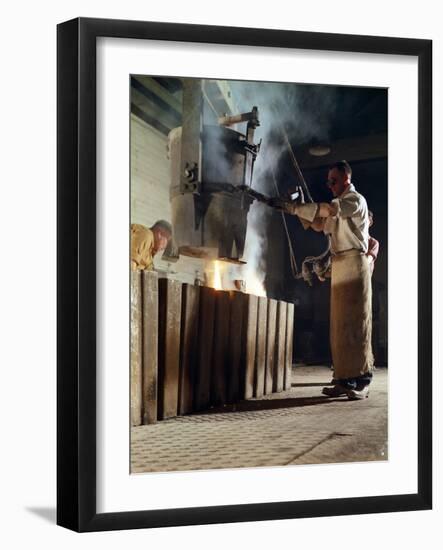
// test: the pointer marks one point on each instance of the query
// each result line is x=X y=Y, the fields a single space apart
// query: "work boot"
x=359 y=394
x=335 y=391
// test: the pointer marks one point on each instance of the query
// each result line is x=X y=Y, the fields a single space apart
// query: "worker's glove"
x=279 y=204
x=301 y=199
x=305 y=211
x=296 y=196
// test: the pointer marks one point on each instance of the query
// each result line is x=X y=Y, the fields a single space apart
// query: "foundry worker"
x=372 y=253
x=147 y=241
x=346 y=220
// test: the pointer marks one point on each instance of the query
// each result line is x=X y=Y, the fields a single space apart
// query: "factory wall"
x=149 y=174
x=150 y=182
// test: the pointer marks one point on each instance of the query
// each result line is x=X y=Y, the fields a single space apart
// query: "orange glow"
x=217 y=276
x=254 y=285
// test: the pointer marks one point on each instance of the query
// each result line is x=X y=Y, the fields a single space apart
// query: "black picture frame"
x=76 y=279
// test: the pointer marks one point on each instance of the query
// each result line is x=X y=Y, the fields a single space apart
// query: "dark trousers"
x=357 y=383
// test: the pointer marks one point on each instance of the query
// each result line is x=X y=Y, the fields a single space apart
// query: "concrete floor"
x=298 y=426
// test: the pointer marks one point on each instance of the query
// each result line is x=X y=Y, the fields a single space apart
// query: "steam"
x=256 y=240
x=304 y=112
x=255 y=250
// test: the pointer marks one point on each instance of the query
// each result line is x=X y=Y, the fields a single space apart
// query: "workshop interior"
x=238 y=299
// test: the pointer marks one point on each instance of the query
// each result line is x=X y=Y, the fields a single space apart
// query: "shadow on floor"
x=311 y=384
x=267 y=404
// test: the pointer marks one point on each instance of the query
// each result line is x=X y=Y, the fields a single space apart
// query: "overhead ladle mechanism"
x=211 y=183
x=321 y=264
x=209 y=162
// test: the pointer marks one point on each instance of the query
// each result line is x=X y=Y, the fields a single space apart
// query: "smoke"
x=258 y=217
x=255 y=250
x=305 y=113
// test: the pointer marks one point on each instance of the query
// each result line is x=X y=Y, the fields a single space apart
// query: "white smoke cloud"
x=304 y=114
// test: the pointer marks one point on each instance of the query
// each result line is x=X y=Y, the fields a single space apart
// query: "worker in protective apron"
x=346 y=220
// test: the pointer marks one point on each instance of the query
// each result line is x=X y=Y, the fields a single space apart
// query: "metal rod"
x=296 y=165
x=293 y=262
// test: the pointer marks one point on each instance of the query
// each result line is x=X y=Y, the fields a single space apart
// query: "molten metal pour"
x=223 y=275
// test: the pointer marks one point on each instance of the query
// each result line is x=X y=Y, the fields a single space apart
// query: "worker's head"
x=371 y=217
x=162 y=231
x=339 y=177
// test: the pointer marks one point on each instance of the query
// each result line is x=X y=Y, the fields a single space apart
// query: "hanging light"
x=319 y=150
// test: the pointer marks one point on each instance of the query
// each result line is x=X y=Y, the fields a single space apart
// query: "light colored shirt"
x=142 y=247
x=349 y=227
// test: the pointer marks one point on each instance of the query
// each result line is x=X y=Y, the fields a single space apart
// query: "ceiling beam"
x=350 y=149
x=166 y=117
x=156 y=92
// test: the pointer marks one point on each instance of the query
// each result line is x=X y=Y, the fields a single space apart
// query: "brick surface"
x=296 y=426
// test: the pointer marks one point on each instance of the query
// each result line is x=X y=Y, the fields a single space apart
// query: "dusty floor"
x=298 y=426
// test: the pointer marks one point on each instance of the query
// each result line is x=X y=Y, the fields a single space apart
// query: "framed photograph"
x=244 y=274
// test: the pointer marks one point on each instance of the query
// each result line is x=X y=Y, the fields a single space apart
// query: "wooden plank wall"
x=236 y=320
x=249 y=336
x=150 y=347
x=280 y=347
x=188 y=351
x=204 y=348
x=289 y=345
x=219 y=377
x=195 y=347
x=260 y=347
x=271 y=336
x=169 y=323
x=136 y=348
